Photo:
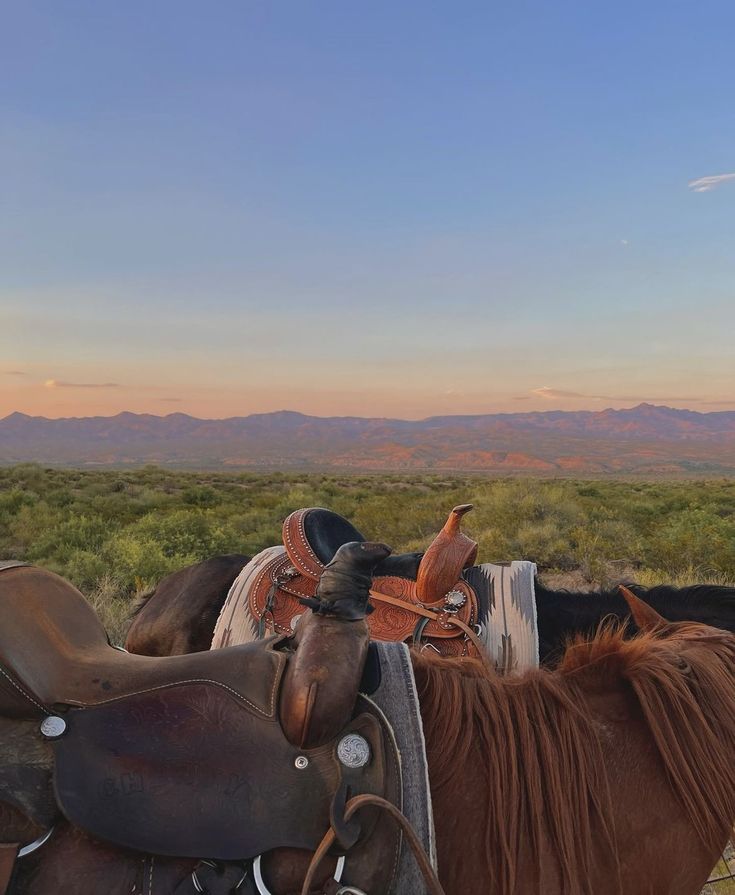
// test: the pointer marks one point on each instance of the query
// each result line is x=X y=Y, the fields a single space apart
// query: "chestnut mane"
x=533 y=744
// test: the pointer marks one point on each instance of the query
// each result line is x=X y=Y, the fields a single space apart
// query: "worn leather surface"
x=54 y=650
x=181 y=756
x=8 y=852
x=27 y=804
x=330 y=648
x=189 y=772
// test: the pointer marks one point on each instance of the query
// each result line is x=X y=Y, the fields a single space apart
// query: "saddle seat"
x=54 y=652
x=313 y=535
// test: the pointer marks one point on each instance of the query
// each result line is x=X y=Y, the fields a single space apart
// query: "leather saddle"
x=224 y=754
x=417 y=598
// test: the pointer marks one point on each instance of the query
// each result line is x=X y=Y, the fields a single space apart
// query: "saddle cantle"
x=420 y=598
x=224 y=754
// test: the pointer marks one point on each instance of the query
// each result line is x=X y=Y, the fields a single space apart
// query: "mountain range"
x=647 y=439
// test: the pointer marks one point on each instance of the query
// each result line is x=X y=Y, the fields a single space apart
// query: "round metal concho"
x=455 y=600
x=52 y=727
x=353 y=751
x=301 y=762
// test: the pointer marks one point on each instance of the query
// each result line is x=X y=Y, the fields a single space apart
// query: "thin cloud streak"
x=706 y=184
x=56 y=383
x=14 y=373
x=553 y=394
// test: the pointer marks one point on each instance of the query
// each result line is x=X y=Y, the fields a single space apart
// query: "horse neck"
x=494 y=752
x=564 y=614
x=709 y=604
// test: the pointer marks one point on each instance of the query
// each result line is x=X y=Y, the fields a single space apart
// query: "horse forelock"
x=534 y=744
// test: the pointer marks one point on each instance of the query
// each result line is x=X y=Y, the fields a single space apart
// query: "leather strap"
x=8 y=854
x=434 y=616
x=433 y=886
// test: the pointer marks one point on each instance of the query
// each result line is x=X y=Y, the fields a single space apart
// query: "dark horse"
x=612 y=775
x=181 y=613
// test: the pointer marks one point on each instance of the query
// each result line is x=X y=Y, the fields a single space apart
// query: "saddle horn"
x=330 y=647
x=450 y=552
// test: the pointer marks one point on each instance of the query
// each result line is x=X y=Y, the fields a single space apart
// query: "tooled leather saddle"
x=418 y=598
x=224 y=754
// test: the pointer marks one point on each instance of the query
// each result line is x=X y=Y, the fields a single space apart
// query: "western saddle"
x=419 y=598
x=257 y=742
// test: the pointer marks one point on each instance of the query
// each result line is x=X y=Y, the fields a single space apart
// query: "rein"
x=434 y=887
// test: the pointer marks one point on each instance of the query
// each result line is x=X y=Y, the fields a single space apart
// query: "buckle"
x=264 y=890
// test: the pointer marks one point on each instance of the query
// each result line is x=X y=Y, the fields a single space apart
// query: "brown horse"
x=614 y=775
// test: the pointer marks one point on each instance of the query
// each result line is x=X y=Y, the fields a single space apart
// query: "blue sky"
x=377 y=209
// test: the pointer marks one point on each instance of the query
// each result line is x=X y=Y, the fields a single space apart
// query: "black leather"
x=326 y=531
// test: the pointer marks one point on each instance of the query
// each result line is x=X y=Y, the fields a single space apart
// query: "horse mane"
x=534 y=745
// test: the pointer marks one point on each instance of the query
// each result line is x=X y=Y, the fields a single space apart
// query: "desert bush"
x=111 y=532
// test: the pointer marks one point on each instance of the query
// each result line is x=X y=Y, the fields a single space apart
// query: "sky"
x=371 y=209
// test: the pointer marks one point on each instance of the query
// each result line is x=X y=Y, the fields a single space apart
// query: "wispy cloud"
x=172 y=400
x=552 y=394
x=14 y=373
x=705 y=184
x=57 y=383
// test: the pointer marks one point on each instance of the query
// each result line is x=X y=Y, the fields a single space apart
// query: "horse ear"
x=644 y=616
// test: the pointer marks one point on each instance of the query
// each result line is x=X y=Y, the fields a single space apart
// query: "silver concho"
x=52 y=727
x=301 y=762
x=353 y=751
x=455 y=600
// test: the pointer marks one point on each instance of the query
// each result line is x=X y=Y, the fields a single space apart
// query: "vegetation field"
x=114 y=534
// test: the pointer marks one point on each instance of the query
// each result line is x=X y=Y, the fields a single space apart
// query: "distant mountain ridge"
x=649 y=439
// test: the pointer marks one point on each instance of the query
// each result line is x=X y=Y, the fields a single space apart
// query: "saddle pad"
x=398 y=700
x=236 y=624
x=507 y=624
